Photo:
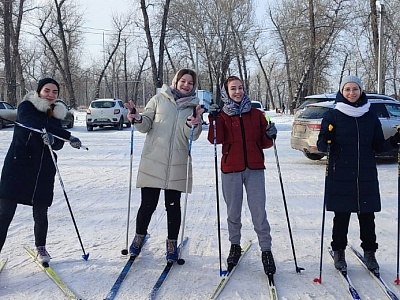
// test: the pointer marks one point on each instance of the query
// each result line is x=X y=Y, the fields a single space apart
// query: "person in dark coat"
x=28 y=171
x=354 y=135
x=243 y=132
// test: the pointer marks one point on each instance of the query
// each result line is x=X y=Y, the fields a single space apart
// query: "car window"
x=313 y=112
x=255 y=105
x=393 y=109
x=120 y=104
x=379 y=109
x=102 y=104
x=2 y=106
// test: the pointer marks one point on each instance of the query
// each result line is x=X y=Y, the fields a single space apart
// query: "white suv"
x=106 y=112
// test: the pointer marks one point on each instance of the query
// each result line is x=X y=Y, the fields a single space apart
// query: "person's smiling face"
x=351 y=92
x=185 y=84
x=49 y=92
x=235 y=90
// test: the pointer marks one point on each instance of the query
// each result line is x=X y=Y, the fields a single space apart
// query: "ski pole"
x=181 y=261
x=40 y=131
x=397 y=280
x=298 y=269
x=328 y=150
x=84 y=256
x=125 y=251
x=214 y=116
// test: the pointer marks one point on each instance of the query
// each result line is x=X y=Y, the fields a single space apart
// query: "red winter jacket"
x=243 y=138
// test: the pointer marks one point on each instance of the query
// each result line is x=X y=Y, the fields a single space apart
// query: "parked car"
x=313 y=99
x=68 y=121
x=107 y=112
x=258 y=105
x=307 y=124
x=7 y=111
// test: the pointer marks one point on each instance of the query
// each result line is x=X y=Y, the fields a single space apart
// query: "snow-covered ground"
x=97 y=185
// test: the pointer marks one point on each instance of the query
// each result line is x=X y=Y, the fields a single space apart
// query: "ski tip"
x=318 y=280
x=85 y=256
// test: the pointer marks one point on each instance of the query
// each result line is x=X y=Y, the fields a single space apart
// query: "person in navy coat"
x=354 y=135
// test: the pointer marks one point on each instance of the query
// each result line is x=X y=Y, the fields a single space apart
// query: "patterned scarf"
x=232 y=108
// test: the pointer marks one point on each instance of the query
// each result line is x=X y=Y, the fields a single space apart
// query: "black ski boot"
x=268 y=262
x=370 y=261
x=234 y=255
x=340 y=260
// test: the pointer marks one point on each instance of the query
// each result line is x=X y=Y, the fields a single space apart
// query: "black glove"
x=48 y=138
x=271 y=131
x=75 y=142
x=395 y=140
x=214 y=109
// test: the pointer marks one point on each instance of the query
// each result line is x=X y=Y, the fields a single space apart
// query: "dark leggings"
x=7 y=212
x=148 y=205
x=367 y=231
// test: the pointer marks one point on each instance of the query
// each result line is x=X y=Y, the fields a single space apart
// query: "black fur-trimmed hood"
x=59 y=110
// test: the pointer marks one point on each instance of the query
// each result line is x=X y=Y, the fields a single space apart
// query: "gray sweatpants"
x=232 y=188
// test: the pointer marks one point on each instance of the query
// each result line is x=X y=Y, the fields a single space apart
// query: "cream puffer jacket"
x=163 y=163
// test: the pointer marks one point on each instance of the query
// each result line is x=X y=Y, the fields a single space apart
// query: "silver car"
x=106 y=112
x=8 y=112
x=307 y=124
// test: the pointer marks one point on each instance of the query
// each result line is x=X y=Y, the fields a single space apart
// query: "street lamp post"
x=380 y=6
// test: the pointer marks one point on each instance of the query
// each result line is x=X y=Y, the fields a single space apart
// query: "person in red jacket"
x=243 y=132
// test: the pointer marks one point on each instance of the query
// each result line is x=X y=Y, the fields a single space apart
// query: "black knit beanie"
x=44 y=81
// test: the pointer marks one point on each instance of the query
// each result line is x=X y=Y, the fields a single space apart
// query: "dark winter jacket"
x=243 y=138
x=28 y=170
x=352 y=180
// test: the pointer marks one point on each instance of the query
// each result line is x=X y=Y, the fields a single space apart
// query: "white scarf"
x=351 y=110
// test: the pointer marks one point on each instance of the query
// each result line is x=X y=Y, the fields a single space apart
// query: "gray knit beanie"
x=351 y=78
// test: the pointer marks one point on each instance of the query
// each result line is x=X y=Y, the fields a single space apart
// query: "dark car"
x=8 y=112
x=69 y=119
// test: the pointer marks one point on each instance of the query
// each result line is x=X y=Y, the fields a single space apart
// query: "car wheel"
x=120 y=125
x=1 y=124
x=313 y=156
x=89 y=127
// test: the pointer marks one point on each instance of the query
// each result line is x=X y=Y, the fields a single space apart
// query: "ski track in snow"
x=97 y=185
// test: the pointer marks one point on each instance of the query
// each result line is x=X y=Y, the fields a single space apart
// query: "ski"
x=376 y=276
x=3 y=263
x=273 y=294
x=115 y=288
x=53 y=275
x=346 y=280
x=165 y=272
x=224 y=280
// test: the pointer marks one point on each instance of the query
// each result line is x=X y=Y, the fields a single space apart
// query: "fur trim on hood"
x=59 y=110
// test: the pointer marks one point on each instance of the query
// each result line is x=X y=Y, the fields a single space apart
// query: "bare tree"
x=157 y=68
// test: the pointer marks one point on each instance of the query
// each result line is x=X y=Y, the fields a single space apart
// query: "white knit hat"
x=351 y=78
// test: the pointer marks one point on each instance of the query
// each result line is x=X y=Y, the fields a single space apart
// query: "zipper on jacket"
x=358 y=166
x=171 y=145
x=244 y=141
